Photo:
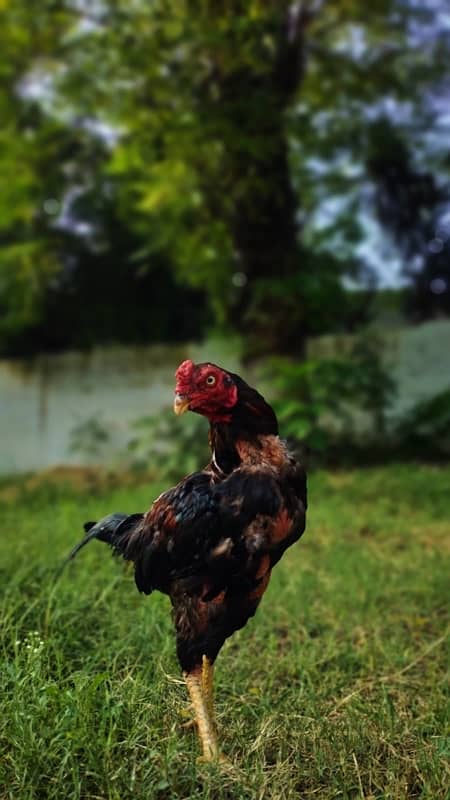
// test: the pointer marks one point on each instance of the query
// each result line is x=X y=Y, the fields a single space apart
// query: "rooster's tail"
x=115 y=530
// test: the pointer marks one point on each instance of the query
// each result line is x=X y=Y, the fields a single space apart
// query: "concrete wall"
x=43 y=399
x=417 y=357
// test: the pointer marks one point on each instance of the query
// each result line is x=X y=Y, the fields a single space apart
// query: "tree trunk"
x=265 y=236
x=263 y=222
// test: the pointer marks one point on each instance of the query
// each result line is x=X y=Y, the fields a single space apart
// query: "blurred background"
x=261 y=184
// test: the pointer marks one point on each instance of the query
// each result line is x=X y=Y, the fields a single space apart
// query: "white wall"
x=44 y=398
x=417 y=357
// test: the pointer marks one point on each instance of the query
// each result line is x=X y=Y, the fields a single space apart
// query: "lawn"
x=335 y=690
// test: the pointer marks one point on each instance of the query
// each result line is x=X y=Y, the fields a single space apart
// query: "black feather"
x=115 y=530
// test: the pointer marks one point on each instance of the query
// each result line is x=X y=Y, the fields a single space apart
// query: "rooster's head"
x=206 y=389
x=222 y=397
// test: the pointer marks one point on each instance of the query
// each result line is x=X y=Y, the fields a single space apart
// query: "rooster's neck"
x=252 y=425
x=225 y=456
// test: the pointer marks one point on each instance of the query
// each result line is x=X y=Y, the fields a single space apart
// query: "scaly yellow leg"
x=205 y=723
x=207 y=685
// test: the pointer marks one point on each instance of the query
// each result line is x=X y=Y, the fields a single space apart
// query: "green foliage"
x=168 y=446
x=228 y=109
x=318 y=398
x=228 y=127
x=26 y=270
x=337 y=687
x=425 y=429
x=89 y=438
x=161 y=445
x=29 y=259
x=30 y=168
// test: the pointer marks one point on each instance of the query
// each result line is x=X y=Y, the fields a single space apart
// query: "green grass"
x=335 y=690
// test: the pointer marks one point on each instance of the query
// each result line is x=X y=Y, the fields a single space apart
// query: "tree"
x=380 y=149
x=226 y=131
x=71 y=271
x=29 y=167
x=203 y=164
x=413 y=204
x=224 y=124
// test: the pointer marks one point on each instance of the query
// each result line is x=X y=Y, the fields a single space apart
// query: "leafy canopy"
x=233 y=138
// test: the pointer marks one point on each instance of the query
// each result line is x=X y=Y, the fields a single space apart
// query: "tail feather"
x=114 y=529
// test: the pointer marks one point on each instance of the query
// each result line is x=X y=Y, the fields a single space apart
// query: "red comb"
x=185 y=369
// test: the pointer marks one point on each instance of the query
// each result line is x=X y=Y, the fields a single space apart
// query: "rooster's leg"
x=207 y=684
x=203 y=716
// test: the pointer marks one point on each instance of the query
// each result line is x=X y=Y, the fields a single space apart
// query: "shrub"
x=170 y=447
x=425 y=430
x=318 y=399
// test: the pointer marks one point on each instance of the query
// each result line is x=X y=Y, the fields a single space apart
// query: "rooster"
x=210 y=543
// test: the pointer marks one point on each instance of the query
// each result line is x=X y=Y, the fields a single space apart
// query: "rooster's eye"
x=210 y=380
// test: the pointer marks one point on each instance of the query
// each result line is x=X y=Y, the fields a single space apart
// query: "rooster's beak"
x=180 y=404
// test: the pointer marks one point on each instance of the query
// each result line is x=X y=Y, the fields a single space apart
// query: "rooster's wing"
x=209 y=536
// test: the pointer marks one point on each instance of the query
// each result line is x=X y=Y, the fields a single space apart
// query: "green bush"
x=168 y=446
x=425 y=430
x=318 y=399
x=89 y=438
